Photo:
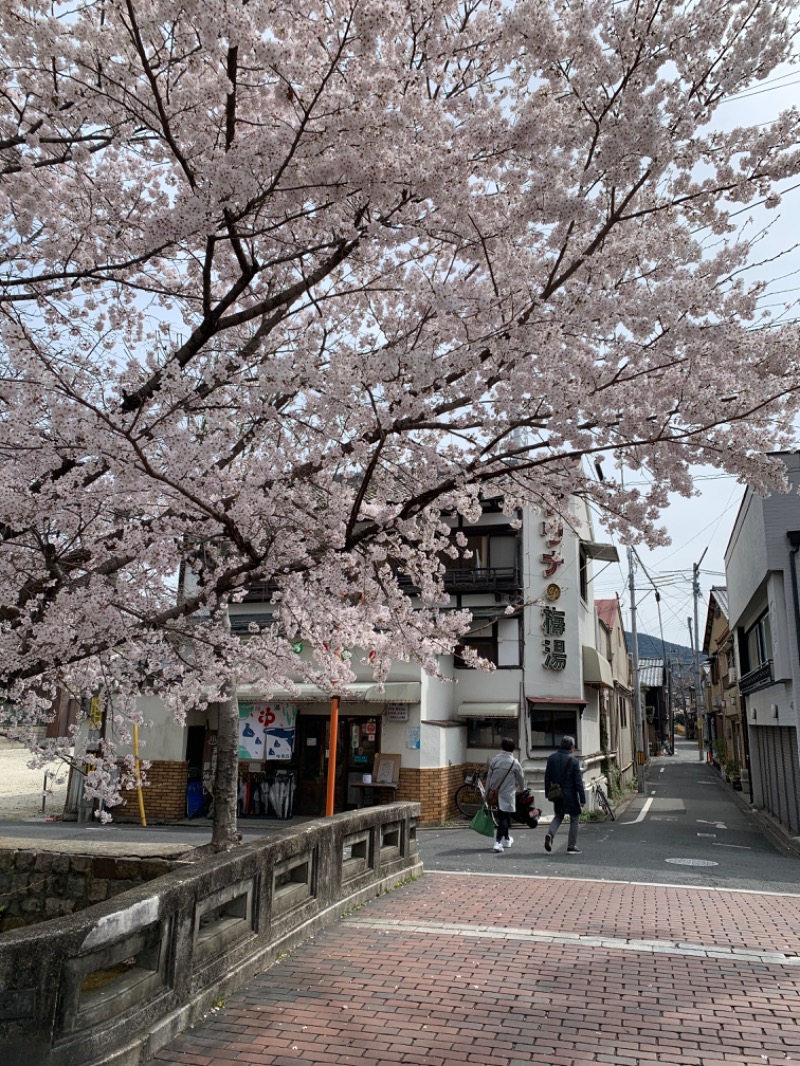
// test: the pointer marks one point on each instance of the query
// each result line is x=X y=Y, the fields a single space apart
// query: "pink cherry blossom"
x=282 y=284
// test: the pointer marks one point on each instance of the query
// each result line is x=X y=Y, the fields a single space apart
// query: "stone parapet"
x=115 y=982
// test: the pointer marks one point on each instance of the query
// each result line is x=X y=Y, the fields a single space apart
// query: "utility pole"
x=696 y=649
x=641 y=754
x=671 y=706
x=697 y=719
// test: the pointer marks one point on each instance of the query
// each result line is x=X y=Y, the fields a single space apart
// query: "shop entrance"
x=356 y=744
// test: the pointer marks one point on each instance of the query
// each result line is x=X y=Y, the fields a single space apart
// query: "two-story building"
x=723 y=702
x=762 y=582
x=617 y=716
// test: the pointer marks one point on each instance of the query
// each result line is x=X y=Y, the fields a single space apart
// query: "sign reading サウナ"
x=554 y=622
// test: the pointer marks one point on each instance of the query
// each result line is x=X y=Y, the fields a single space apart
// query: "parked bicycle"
x=471 y=795
x=601 y=801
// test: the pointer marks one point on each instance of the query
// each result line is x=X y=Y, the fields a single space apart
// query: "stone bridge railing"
x=112 y=984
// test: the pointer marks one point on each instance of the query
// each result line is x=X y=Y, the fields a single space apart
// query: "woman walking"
x=505 y=777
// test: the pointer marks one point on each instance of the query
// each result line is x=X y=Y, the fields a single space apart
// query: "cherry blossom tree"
x=283 y=283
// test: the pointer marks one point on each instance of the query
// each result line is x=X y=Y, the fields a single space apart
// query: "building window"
x=583 y=573
x=759 y=643
x=487 y=551
x=623 y=712
x=488 y=732
x=549 y=725
x=499 y=642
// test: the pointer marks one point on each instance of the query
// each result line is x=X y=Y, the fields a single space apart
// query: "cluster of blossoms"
x=282 y=284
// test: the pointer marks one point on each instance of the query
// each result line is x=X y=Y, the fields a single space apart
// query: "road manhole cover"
x=692 y=862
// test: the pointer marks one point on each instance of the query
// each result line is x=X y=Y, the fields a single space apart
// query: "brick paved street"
x=505 y=971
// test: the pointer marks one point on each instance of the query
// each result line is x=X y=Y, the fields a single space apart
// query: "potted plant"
x=733 y=774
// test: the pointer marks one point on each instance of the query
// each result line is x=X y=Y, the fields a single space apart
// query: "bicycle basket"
x=469 y=779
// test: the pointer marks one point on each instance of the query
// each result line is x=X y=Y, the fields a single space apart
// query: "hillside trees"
x=279 y=282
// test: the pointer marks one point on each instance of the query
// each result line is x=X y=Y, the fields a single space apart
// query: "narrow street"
x=686 y=828
x=621 y=955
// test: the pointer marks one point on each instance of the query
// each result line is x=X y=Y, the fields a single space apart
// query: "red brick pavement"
x=455 y=982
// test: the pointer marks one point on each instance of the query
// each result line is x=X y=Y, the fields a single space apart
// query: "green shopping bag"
x=483 y=823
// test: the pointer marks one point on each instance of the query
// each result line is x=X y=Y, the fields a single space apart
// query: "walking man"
x=505 y=775
x=564 y=770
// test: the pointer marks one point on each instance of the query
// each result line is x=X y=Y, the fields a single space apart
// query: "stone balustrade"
x=110 y=985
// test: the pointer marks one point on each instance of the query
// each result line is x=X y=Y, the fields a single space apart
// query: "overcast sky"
x=705 y=523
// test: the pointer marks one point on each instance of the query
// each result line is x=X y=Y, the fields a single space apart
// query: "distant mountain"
x=652 y=648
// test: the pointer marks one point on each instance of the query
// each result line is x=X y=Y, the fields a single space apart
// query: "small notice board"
x=386 y=770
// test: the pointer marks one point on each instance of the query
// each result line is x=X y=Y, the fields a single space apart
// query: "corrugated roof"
x=651 y=673
x=720 y=594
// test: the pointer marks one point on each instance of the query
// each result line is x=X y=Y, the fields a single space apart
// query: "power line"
x=757 y=92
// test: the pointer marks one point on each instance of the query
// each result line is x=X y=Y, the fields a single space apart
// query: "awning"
x=556 y=701
x=358 y=692
x=488 y=710
x=596 y=668
x=605 y=553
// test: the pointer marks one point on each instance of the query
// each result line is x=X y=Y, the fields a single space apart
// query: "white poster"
x=412 y=737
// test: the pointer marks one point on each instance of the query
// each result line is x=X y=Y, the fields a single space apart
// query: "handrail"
x=757 y=678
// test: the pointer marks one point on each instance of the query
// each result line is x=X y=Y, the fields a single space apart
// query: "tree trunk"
x=224 y=833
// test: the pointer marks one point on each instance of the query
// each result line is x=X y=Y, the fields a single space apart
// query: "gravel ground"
x=21 y=788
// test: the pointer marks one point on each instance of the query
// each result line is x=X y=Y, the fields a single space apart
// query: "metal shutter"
x=778 y=763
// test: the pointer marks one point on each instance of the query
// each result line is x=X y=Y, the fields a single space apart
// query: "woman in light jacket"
x=505 y=774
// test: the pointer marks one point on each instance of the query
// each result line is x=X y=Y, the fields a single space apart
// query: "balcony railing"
x=483 y=579
x=480 y=579
x=758 y=678
x=261 y=593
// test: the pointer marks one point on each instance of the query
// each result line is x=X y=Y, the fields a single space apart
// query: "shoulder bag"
x=493 y=795
x=555 y=793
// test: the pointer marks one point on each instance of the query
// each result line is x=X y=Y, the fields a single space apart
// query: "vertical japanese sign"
x=554 y=623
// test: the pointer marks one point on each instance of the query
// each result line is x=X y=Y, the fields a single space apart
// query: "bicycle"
x=471 y=795
x=601 y=801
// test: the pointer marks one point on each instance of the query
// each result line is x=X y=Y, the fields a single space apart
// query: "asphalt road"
x=687 y=816
x=687 y=828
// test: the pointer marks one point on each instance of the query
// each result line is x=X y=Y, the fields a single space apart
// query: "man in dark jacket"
x=564 y=769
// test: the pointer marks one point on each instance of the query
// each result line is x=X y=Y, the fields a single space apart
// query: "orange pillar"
x=332 y=745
